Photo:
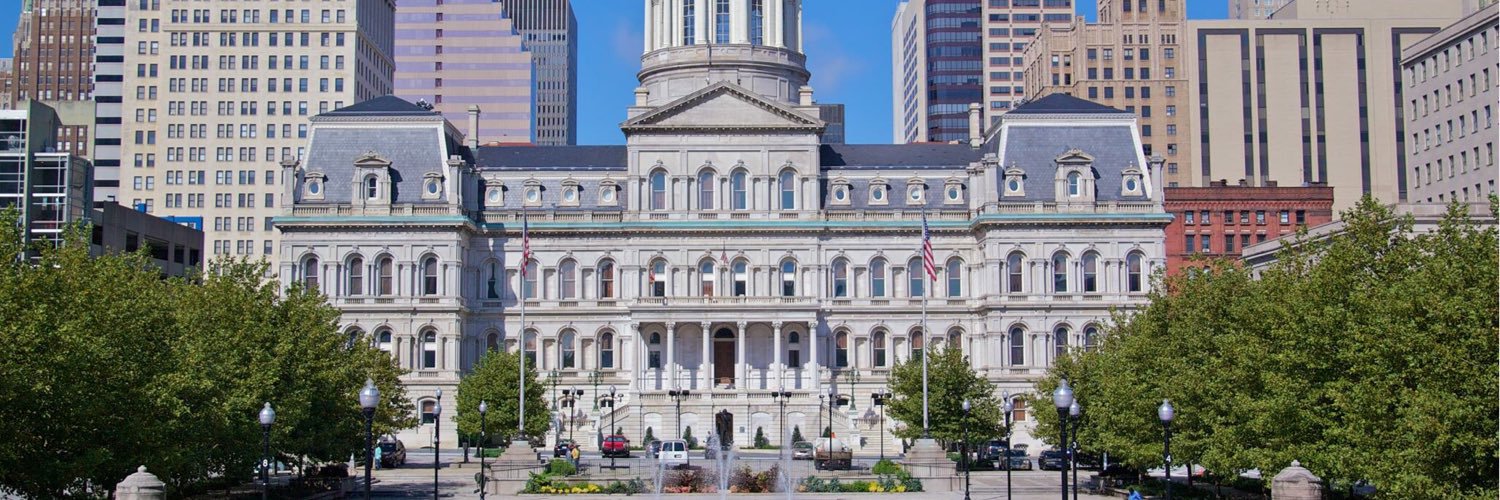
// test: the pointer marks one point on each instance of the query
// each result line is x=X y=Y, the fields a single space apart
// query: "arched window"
x=841 y=349
x=658 y=190
x=430 y=276
x=383 y=340
x=1091 y=272
x=569 y=351
x=653 y=351
x=492 y=280
x=738 y=189
x=607 y=350
x=310 y=273
x=1014 y=272
x=793 y=350
x=878 y=346
x=706 y=190
x=607 y=279
x=1018 y=409
x=530 y=347
x=353 y=336
x=1017 y=346
x=1134 y=274
x=372 y=187
x=840 y=278
x=916 y=277
x=656 y=275
x=706 y=277
x=788 y=183
x=1060 y=272
x=788 y=278
x=918 y=342
x=1060 y=342
x=955 y=272
x=386 y=276
x=741 y=278
x=955 y=338
x=429 y=350
x=568 y=279
x=529 y=288
x=356 y=285
x=429 y=409
x=1090 y=338
x=1075 y=184
x=877 y=278
x=492 y=342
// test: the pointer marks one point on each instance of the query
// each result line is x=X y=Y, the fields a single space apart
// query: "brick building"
x=1221 y=220
x=54 y=61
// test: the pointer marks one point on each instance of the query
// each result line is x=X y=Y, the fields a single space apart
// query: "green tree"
x=797 y=434
x=760 y=438
x=950 y=381
x=495 y=381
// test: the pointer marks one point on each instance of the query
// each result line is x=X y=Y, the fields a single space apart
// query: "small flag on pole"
x=525 y=245
x=927 y=250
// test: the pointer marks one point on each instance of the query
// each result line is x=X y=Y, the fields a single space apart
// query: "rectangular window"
x=1191 y=243
x=1286 y=217
x=1188 y=217
x=1228 y=243
x=1260 y=217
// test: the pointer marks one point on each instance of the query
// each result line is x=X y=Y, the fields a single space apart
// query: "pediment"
x=371 y=160
x=723 y=106
x=1075 y=156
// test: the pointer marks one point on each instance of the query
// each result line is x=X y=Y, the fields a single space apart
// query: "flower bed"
x=890 y=478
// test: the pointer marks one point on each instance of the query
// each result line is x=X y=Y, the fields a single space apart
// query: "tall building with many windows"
x=948 y=54
x=217 y=94
x=1450 y=82
x=725 y=249
x=550 y=33
x=455 y=54
x=53 y=60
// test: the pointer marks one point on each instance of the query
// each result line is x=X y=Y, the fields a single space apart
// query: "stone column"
x=812 y=356
x=1296 y=483
x=706 y=362
x=741 y=370
x=776 y=363
x=634 y=355
x=141 y=486
x=671 y=367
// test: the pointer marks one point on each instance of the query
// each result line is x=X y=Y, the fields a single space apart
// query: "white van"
x=673 y=452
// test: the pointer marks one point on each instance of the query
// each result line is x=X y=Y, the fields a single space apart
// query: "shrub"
x=630 y=487
x=649 y=436
x=688 y=481
x=687 y=435
x=797 y=434
x=885 y=467
x=828 y=431
x=561 y=467
x=760 y=439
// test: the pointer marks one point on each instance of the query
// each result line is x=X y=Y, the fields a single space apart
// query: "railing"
x=348 y=210
x=1040 y=207
x=731 y=300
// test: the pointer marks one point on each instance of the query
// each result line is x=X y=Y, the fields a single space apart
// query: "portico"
x=725 y=355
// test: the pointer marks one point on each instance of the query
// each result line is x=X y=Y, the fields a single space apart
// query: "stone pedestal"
x=927 y=461
x=140 y=486
x=1296 y=483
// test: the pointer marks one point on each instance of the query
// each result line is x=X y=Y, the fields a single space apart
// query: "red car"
x=616 y=446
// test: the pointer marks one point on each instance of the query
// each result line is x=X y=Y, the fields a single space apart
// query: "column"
x=776 y=365
x=741 y=370
x=707 y=366
x=650 y=24
x=703 y=14
x=812 y=356
x=634 y=355
x=671 y=367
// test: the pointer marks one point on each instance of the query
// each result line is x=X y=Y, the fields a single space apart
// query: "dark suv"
x=1053 y=460
x=392 y=454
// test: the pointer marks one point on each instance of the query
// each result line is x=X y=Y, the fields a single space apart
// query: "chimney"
x=805 y=95
x=1154 y=167
x=976 y=134
x=641 y=96
x=1244 y=182
x=473 y=136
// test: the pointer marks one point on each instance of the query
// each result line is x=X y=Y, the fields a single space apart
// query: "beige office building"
x=217 y=93
x=1313 y=94
x=1450 y=106
x=1131 y=60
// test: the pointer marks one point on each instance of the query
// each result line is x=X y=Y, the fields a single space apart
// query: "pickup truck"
x=832 y=454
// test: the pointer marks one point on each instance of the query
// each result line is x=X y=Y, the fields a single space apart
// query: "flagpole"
x=525 y=257
x=926 y=431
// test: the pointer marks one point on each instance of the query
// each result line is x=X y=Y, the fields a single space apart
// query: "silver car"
x=802 y=450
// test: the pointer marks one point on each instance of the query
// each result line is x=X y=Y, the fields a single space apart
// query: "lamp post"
x=484 y=408
x=853 y=390
x=1165 y=412
x=966 y=449
x=781 y=396
x=553 y=376
x=819 y=431
x=880 y=400
x=594 y=378
x=833 y=399
x=612 y=421
x=267 y=417
x=437 y=429
x=1073 y=412
x=1009 y=407
x=1062 y=398
x=368 y=398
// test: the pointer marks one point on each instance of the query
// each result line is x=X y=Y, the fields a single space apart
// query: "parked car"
x=1018 y=460
x=802 y=450
x=392 y=453
x=652 y=447
x=615 y=446
x=992 y=451
x=1053 y=460
x=1087 y=461
x=561 y=450
x=673 y=452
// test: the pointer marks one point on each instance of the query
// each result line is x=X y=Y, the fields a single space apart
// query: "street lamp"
x=267 y=417
x=1073 y=412
x=1009 y=407
x=1165 y=412
x=553 y=376
x=484 y=408
x=781 y=395
x=677 y=396
x=833 y=398
x=368 y=398
x=853 y=390
x=819 y=431
x=594 y=378
x=967 y=407
x=437 y=427
x=1062 y=398
x=881 y=398
x=612 y=421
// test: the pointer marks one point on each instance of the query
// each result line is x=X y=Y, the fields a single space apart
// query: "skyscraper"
x=53 y=60
x=220 y=95
x=109 y=76
x=460 y=53
x=550 y=32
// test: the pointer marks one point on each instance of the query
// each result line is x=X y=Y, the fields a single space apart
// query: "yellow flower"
x=901 y=488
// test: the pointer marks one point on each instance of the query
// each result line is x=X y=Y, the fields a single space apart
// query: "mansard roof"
x=411 y=150
x=1035 y=149
x=898 y=156
x=552 y=158
x=1063 y=104
x=383 y=106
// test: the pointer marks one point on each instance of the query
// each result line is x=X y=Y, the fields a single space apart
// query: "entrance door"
x=724 y=362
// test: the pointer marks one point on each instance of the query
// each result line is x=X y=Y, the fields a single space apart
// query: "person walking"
x=574 y=454
x=378 y=453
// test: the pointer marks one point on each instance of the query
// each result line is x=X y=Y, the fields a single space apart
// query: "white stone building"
x=723 y=249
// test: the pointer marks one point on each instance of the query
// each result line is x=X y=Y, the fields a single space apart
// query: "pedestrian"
x=574 y=454
x=1135 y=495
x=378 y=452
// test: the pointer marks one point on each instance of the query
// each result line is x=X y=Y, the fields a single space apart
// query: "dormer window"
x=840 y=191
x=1075 y=184
x=1015 y=182
x=372 y=187
x=1131 y=183
x=953 y=192
x=494 y=193
x=877 y=192
x=533 y=193
x=607 y=193
x=372 y=178
x=915 y=194
x=570 y=193
x=313 y=188
x=432 y=186
x=1074 y=181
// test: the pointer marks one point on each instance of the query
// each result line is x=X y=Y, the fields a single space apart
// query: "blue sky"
x=848 y=51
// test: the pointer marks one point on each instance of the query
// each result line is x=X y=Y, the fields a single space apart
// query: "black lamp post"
x=880 y=400
x=437 y=428
x=594 y=378
x=781 y=395
x=819 y=430
x=966 y=449
x=1165 y=412
x=484 y=408
x=677 y=396
x=369 y=397
x=612 y=421
x=853 y=390
x=1073 y=412
x=1009 y=407
x=267 y=417
x=833 y=399
x=1062 y=398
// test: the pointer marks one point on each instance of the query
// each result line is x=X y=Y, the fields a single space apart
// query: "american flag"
x=651 y=273
x=724 y=256
x=525 y=245
x=927 y=260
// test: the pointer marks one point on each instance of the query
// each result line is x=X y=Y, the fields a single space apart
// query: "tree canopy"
x=109 y=366
x=494 y=381
x=1369 y=355
x=950 y=381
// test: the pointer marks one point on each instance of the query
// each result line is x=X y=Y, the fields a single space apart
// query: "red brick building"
x=1221 y=220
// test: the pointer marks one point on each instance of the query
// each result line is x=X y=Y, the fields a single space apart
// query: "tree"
x=950 y=380
x=494 y=380
x=687 y=436
x=649 y=436
x=797 y=434
x=760 y=438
